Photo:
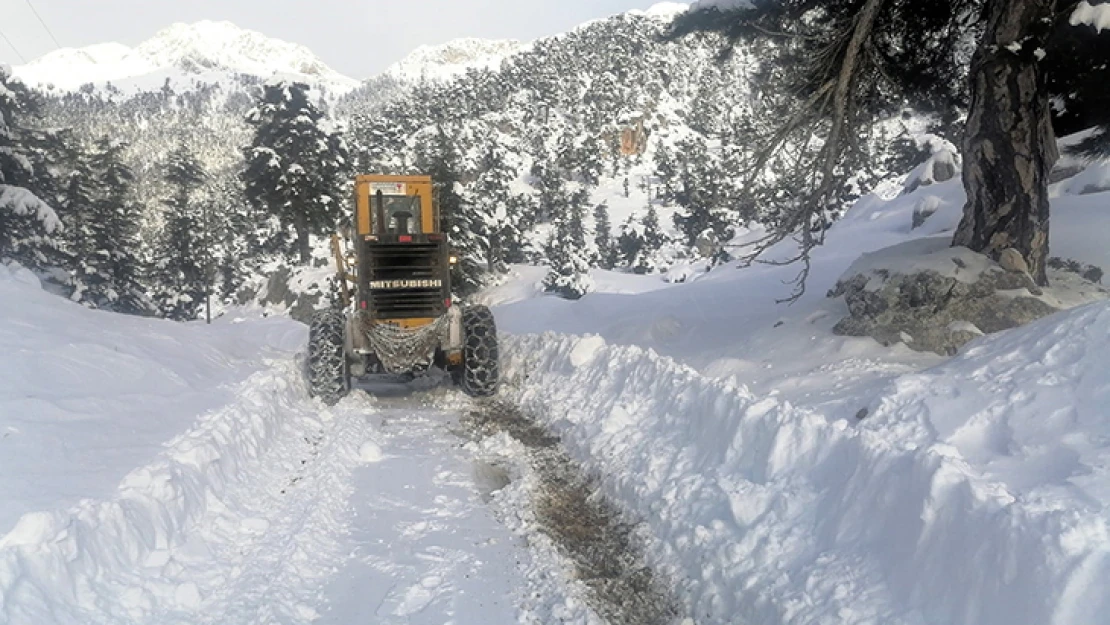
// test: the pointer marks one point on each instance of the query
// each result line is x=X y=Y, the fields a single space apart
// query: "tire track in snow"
x=427 y=549
x=558 y=508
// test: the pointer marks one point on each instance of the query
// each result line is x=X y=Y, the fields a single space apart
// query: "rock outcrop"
x=933 y=297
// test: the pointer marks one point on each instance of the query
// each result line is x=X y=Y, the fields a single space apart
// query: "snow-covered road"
x=426 y=547
x=165 y=473
x=274 y=509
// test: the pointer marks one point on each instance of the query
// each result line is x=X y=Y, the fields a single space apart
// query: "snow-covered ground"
x=788 y=475
x=154 y=472
x=726 y=323
x=774 y=473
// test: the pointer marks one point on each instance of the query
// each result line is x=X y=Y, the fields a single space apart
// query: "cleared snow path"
x=426 y=547
x=276 y=509
x=178 y=473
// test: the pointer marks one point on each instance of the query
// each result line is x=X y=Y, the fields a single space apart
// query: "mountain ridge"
x=454 y=57
x=181 y=52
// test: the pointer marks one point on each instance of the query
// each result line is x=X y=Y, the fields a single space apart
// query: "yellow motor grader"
x=394 y=313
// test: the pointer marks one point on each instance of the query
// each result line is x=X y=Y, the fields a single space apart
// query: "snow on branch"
x=24 y=203
x=1097 y=16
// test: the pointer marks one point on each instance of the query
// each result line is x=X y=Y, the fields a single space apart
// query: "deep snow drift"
x=974 y=492
x=86 y=396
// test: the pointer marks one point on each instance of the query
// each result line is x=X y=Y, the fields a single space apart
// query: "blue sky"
x=356 y=37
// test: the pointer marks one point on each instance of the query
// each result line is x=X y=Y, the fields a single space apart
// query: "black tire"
x=480 y=372
x=329 y=373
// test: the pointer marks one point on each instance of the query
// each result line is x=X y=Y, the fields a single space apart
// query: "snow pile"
x=974 y=492
x=103 y=521
x=204 y=48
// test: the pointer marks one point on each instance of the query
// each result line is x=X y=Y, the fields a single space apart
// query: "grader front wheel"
x=480 y=371
x=329 y=376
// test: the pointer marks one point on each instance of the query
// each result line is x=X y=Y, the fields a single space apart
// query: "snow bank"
x=65 y=566
x=763 y=512
x=85 y=398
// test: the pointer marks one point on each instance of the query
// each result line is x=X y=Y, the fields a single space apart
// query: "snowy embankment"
x=975 y=492
x=106 y=522
x=789 y=475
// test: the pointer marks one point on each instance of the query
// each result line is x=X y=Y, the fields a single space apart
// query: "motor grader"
x=393 y=311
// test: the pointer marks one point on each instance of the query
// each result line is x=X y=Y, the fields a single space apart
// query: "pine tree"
x=296 y=168
x=630 y=241
x=1009 y=145
x=466 y=233
x=522 y=212
x=29 y=226
x=102 y=224
x=181 y=270
x=552 y=193
x=494 y=205
x=236 y=245
x=666 y=170
x=603 y=238
x=84 y=230
x=653 y=240
x=567 y=253
x=120 y=214
x=699 y=188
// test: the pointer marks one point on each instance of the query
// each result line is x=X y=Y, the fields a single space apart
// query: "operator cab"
x=402 y=257
x=397 y=214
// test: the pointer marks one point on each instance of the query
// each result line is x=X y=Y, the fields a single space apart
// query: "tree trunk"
x=300 y=224
x=1009 y=144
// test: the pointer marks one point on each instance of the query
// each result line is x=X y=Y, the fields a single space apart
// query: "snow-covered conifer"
x=296 y=168
x=567 y=252
x=493 y=202
x=29 y=226
x=181 y=260
x=603 y=238
x=467 y=233
x=700 y=192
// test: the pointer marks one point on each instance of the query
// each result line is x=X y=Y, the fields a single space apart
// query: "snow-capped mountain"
x=453 y=58
x=182 y=52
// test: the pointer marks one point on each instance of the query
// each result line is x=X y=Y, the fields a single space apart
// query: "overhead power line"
x=12 y=46
x=44 y=26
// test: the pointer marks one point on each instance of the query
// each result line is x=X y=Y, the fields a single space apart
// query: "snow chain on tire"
x=329 y=375
x=480 y=371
